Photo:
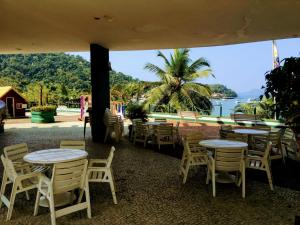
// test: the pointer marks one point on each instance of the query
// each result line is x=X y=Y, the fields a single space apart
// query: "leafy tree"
x=178 y=87
x=264 y=108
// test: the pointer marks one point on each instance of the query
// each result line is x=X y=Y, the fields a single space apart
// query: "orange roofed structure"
x=15 y=102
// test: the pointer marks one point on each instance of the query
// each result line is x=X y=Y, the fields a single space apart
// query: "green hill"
x=62 y=76
x=221 y=91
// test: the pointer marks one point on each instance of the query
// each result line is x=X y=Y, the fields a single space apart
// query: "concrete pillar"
x=100 y=89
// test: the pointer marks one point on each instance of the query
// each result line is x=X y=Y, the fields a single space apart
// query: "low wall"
x=218 y=120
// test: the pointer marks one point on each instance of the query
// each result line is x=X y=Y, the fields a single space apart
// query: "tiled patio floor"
x=150 y=190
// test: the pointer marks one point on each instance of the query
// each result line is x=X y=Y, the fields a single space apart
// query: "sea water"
x=227 y=105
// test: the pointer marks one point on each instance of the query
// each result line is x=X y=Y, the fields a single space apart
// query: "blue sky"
x=240 y=67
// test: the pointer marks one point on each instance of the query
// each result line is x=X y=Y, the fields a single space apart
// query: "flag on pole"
x=276 y=62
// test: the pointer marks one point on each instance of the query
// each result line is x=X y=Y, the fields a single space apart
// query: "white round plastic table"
x=56 y=155
x=250 y=131
x=52 y=156
x=220 y=143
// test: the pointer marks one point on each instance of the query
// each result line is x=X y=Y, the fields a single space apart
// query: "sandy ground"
x=149 y=190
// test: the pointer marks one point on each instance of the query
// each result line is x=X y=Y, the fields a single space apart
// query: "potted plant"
x=135 y=111
x=43 y=114
x=282 y=85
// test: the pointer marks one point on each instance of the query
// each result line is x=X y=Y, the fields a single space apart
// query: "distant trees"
x=223 y=90
x=63 y=77
x=59 y=78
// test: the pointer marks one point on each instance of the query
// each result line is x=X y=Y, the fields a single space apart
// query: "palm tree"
x=178 y=87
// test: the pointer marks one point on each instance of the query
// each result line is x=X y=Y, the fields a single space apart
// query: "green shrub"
x=136 y=111
x=45 y=108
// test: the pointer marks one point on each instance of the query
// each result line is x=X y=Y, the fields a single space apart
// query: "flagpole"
x=276 y=64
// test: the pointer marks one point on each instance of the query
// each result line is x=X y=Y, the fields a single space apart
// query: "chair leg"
x=207 y=176
x=80 y=195
x=112 y=187
x=3 y=187
x=37 y=203
x=269 y=175
x=52 y=209
x=11 y=202
x=213 y=180
x=84 y=129
x=87 y=199
x=181 y=168
x=106 y=134
x=243 y=184
x=186 y=171
x=27 y=195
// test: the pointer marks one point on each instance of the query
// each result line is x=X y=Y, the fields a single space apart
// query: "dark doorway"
x=10 y=106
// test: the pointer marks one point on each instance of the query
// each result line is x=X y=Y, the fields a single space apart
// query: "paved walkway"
x=149 y=188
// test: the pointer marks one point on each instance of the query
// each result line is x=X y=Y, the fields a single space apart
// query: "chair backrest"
x=15 y=152
x=236 y=137
x=72 y=144
x=191 y=143
x=273 y=136
x=226 y=127
x=268 y=149
x=110 y=157
x=140 y=128
x=160 y=119
x=9 y=168
x=228 y=159
x=68 y=176
x=164 y=130
x=223 y=133
x=261 y=127
x=110 y=120
x=289 y=137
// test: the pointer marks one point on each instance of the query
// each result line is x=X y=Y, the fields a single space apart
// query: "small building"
x=15 y=103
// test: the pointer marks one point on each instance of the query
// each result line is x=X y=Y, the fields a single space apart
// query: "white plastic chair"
x=260 y=160
x=22 y=182
x=66 y=177
x=226 y=160
x=193 y=154
x=100 y=171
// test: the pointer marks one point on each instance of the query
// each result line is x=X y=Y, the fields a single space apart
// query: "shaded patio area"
x=149 y=190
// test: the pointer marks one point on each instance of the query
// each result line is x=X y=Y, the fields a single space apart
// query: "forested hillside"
x=222 y=91
x=62 y=76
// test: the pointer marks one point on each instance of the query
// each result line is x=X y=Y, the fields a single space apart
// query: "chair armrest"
x=97 y=161
x=255 y=153
x=254 y=157
x=96 y=169
x=22 y=166
x=29 y=175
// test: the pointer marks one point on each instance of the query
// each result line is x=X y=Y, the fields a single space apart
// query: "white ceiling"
x=71 y=25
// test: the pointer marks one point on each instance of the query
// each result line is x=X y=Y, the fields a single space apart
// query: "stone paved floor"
x=150 y=190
